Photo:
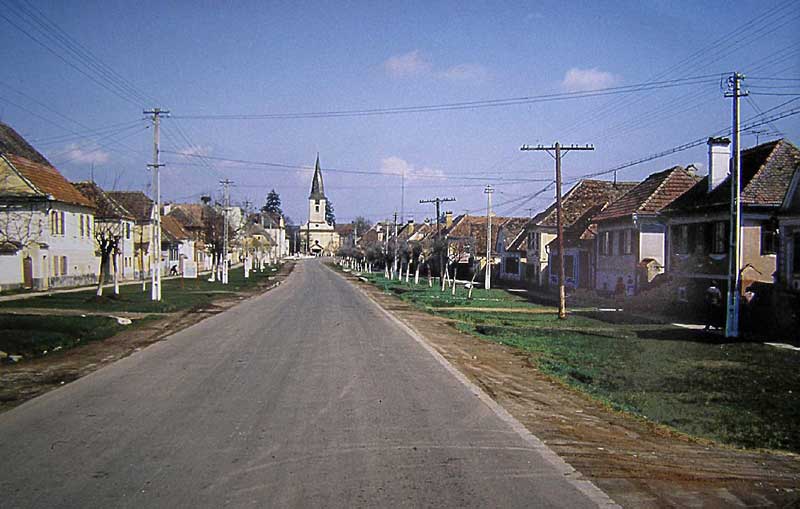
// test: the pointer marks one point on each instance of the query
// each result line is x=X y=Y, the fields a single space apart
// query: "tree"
x=108 y=235
x=330 y=216
x=361 y=225
x=273 y=203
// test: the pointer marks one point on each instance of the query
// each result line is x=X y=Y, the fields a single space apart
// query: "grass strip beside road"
x=176 y=295
x=742 y=394
x=36 y=335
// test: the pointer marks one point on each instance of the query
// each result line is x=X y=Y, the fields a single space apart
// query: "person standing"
x=713 y=300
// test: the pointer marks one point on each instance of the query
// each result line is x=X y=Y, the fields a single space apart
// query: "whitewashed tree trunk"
x=408 y=270
x=116 y=274
x=416 y=274
x=455 y=272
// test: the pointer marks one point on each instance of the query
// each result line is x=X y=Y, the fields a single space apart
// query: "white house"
x=46 y=225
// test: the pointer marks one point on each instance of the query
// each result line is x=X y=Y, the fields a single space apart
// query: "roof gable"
x=653 y=194
x=47 y=181
x=105 y=206
x=583 y=196
x=135 y=202
x=12 y=143
x=767 y=174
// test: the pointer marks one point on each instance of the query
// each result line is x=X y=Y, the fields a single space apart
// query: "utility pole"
x=395 y=241
x=403 y=197
x=155 y=293
x=735 y=247
x=438 y=201
x=557 y=151
x=488 y=279
x=226 y=202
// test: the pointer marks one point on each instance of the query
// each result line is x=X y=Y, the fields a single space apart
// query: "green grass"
x=32 y=335
x=744 y=394
x=174 y=295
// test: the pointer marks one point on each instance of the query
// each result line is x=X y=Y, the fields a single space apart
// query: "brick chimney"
x=448 y=219
x=719 y=160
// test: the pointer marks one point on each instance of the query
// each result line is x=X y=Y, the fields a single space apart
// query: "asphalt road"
x=306 y=396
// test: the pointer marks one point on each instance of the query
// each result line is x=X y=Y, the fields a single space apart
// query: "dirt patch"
x=31 y=378
x=636 y=462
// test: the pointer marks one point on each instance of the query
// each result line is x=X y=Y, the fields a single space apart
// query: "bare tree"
x=108 y=235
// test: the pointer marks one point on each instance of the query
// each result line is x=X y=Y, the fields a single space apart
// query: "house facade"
x=630 y=234
x=543 y=228
x=143 y=210
x=46 y=225
x=699 y=221
x=510 y=247
x=111 y=221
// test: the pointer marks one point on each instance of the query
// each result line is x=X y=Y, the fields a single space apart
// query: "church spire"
x=317 y=189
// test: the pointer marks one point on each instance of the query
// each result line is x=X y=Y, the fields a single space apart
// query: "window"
x=127 y=231
x=700 y=239
x=82 y=232
x=316 y=207
x=628 y=242
x=63 y=265
x=61 y=223
x=796 y=253
x=88 y=226
x=605 y=243
x=569 y=266
x=769 y=239
x=680 y=239
x=512 y=265
x=720 y=238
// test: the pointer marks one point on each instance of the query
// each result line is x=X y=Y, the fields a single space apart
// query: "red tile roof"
x=474 y=227
x=767 y=173
x=656 y=192
x=136 y=202
x=583 y=196
x=173 y=230
x=48 y=181
x=105 y=206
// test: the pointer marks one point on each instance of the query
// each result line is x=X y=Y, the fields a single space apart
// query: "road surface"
x=306 y=396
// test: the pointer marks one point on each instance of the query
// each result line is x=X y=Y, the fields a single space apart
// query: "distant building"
x=317 y=237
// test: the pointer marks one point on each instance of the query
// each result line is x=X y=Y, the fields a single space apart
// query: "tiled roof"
x=582 y=230
x=520 y=242
x=767 y=172
x=190 y=215
x=173 y=230
x=136 y=202
x=48 y=180
x=12 y=143
x=105 y=206
x=344 y=229
x=474 y=227
x=583 y=196
x=656 y=192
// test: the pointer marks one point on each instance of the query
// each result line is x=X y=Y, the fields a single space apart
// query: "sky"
x=256 y=90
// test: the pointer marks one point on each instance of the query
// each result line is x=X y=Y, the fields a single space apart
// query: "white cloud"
x=582 y=80
x=466 y=72
x=396 y=166
x=197 y=150
x=78 y=154
x=407 y=64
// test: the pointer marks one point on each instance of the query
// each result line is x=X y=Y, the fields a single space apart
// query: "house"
x=193 y=218
x=177 y=245
x=510 y=250
x=630 y=234
x=143 y=210
x=467 y=242
x=46 y=225
x=258 y=244
x=111 y=221
x=580 y=255
x=699 y=221
x=543 y=228
x=275 y=226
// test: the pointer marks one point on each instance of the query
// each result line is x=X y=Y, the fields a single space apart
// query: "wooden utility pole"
x=155 y=293
x=735 y=246
x=487 y=283
x=556 y=151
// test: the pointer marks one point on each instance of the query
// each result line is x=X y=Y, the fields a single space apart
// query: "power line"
x=467 y=105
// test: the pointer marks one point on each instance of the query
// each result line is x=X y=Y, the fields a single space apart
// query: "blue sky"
x=251 y=58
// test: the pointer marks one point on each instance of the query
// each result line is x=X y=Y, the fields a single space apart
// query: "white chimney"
x=719 y=157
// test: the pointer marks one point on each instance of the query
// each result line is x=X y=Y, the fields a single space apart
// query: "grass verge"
x=176 y=295
x=743 y=394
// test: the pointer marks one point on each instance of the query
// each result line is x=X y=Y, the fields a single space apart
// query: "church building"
x=317 y=237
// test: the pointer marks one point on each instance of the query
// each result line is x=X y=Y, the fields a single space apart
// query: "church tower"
x=317 y=203
x=318 y=237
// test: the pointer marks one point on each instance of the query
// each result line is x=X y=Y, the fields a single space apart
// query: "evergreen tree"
x=273 y=203
x=330 y=216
